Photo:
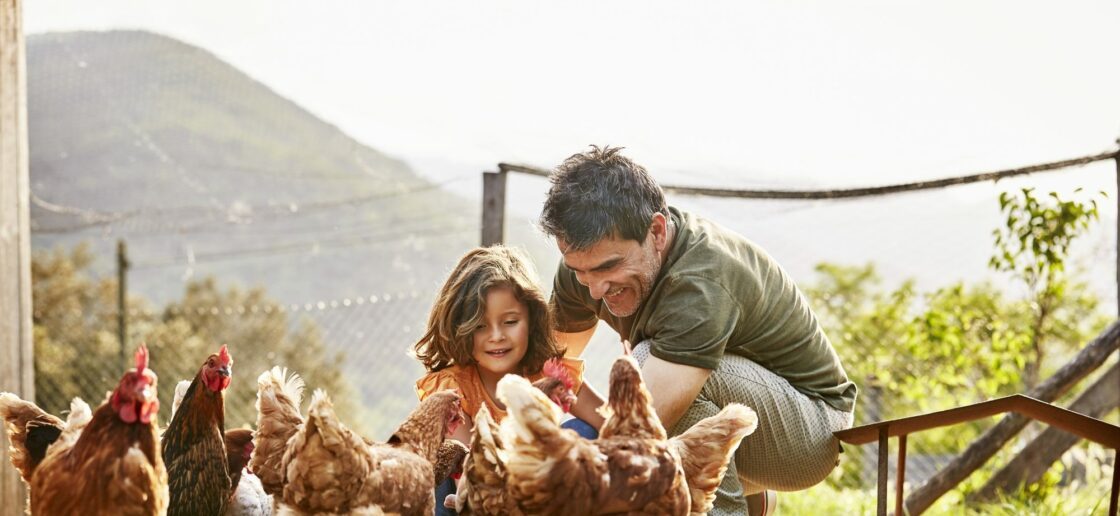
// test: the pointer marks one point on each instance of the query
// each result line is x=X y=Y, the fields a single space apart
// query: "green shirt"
x=719 y=293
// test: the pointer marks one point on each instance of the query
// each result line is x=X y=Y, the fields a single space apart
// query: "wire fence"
x=936 y=236
x=343 y=248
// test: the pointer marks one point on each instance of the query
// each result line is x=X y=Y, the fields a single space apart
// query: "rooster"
x=104 y=462
x=193 y=444
x=329 y=468
x=482 y=488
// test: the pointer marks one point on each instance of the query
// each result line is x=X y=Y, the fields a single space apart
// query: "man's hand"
x=673 y=386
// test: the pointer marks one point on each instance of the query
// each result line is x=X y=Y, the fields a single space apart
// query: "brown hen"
x=194 y=442
x=482 y=488
x=631 y=468
x=102 y=463
x=330 y=469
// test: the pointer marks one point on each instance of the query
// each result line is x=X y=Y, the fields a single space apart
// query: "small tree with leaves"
x=1033 y=246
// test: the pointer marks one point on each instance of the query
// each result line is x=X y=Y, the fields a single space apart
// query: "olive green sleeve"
x=692 y=322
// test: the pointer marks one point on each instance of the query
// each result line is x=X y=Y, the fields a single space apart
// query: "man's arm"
x=586 y=407
x=673 y=386
x=575 y=343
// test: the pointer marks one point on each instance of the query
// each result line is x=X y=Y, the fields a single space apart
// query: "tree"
x=958 y=344
x=1032 y=247
x=77 y=352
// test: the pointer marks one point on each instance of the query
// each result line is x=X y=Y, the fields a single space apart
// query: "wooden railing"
x=1083 y=426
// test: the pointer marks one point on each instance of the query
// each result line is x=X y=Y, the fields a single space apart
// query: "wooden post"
x=884 y=450
x=493 y=207
x=900 y=477
x=16 y=364
x=122 y=300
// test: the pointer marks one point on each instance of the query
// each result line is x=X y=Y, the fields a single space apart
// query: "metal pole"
x=493 y=207
x=122 y=302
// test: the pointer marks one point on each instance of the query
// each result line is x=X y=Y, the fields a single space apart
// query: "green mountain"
x=204 y=171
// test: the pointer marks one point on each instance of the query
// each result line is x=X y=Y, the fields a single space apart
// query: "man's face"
x=620 y=272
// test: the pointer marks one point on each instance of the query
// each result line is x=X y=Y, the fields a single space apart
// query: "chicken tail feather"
x=707 y=447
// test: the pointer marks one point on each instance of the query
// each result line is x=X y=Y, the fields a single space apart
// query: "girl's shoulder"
x=460 y=378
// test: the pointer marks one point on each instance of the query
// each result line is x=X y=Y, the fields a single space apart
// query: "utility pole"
x=122 y=301
x=17 y=365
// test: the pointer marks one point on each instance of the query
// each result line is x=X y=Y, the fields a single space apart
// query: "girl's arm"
x=587 y=401
x=463 y=433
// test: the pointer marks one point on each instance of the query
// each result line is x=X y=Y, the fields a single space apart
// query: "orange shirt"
x=469 y=384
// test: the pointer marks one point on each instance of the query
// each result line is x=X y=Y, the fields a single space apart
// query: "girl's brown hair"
x=459 y=308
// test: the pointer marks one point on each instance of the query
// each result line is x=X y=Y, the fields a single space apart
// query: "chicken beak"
x=224 y=371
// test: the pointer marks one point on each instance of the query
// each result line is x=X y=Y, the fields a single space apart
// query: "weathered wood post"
x=493 y=207
x=16 y=365
x=122 y=300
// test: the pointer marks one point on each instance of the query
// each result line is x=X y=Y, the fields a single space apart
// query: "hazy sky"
x=775 y=93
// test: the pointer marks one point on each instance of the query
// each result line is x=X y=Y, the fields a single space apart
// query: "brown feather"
x=194 y=446
x=329 y=468
x=30 y=432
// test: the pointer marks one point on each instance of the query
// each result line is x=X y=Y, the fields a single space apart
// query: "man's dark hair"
x=600 y=193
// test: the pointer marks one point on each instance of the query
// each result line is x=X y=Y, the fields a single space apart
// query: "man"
x=716 y=320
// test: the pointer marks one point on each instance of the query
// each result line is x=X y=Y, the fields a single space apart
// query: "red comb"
x=141 y=358
x=554 y=368
x=223 y=355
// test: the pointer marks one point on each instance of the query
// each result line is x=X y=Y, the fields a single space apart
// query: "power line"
x=845 y=193
x=302 y=247
x=99 y=219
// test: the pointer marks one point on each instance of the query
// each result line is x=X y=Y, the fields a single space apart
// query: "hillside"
x=141 y=137
x=204 y=171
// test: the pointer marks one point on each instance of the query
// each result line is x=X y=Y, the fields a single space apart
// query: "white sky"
x=771 y=94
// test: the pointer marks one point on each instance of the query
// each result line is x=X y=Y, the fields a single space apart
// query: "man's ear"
x=659 y=228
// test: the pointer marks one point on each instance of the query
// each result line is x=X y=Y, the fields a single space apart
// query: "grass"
x=1071 y=500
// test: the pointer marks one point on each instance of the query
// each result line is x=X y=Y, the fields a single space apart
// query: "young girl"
x=489 y=320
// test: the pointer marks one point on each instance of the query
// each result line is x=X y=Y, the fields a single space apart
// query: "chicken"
x=194 y=444
x=30 y=431
x=631 y=468
x=104 y=462
x=328 y=468
x=557 y=385
x=706 y=449
x=482 y=488
x=248 y=496
x=449 y=460
x=278 y=418
x=239 y=447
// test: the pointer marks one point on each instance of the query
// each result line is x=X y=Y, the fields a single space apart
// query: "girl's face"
x=502 y=336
